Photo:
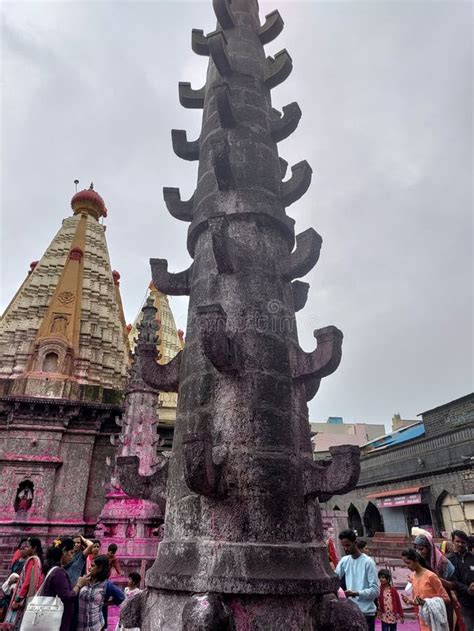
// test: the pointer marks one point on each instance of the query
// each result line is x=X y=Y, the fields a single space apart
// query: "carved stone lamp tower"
x=130 y=521
x=243 y=546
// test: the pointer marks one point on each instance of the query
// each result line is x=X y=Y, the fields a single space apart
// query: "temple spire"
x=65 y=326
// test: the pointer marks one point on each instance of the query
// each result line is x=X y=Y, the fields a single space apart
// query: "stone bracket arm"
x=272 y=27
x=283 y=166
x=223 y=13
x=207 y=612
x=300 y=294
x=184 y=148
x=282 y=126
x=182 y=210
x=222 y=164
x=219 y=347
x=217 y=43
x=131 y=610
x=311 y=386
x=277 y=69
x=146 y=487
x=337 y=477
x=330 y=613
x=163 y=377
x=170 y=284
x=321 y=362
x=221 y=244
x=189 y=98
x=203 y=465
x=304 y=257
x=297 y=185
x=199 y=42
x=225 y=108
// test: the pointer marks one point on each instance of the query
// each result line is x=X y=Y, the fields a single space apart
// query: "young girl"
x=390 y=610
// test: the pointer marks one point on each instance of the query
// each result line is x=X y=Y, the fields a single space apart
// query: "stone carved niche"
x=54 y=356
x=51 y=362
x=59 y=324
x=24 y=496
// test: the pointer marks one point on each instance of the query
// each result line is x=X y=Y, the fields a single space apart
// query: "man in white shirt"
x=360 y=575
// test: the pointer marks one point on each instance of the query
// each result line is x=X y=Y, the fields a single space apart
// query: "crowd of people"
x=440 y=586
x=74 y=571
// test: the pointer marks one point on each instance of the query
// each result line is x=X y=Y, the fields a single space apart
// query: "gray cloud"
x=90 y=91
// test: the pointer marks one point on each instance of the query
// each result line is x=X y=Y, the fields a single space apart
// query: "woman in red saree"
x=28 y=584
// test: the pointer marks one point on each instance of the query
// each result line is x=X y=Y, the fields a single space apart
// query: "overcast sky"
x=89 y=91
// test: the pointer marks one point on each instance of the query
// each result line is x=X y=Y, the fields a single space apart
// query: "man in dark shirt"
x=463 y=577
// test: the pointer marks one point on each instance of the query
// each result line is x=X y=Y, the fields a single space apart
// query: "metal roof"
x=397 y=437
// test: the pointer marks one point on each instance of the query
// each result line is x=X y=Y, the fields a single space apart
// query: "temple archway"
x=372 y=520
x=450 y=514
x=354 y=520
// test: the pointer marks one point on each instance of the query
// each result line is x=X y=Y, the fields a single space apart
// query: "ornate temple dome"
x=89 y=201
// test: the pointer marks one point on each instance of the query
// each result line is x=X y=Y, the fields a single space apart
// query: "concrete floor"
x=409 y=624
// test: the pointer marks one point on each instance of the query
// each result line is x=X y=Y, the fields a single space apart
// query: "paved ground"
x=400 y=576
x=409 y=625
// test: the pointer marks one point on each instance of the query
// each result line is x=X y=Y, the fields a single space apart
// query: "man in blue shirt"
x=360 y=575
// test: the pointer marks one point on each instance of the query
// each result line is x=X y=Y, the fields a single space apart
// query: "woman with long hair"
x=428 y=593
x=57 y=582
x=437 y=562
x=28 y=584
x=96 y=591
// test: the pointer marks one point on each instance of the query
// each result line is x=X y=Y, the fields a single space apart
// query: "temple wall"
x=61 y=448
x=41 y=475
x=99 y=474
x=71 y=483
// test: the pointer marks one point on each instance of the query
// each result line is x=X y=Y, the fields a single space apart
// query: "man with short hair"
x=463 y=577
x=360 y=574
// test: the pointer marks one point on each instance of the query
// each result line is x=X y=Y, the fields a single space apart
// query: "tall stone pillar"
x=243 y=545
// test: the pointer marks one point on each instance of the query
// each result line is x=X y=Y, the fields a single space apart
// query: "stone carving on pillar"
x=243 y=545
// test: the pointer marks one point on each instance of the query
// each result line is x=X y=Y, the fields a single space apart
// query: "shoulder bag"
x=43 y=613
